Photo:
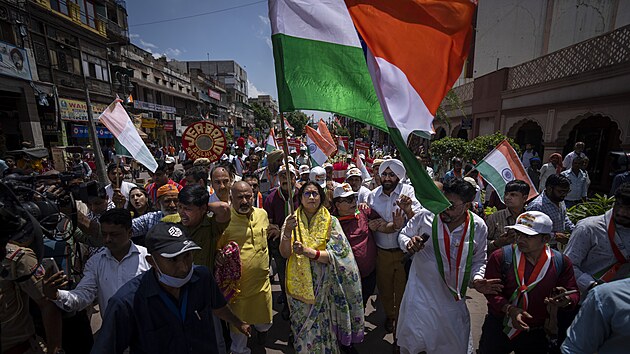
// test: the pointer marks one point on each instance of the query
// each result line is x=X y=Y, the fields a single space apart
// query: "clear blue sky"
x=241 y=34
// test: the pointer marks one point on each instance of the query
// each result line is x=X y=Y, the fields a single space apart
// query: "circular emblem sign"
x=204 y=140
x=507 y=174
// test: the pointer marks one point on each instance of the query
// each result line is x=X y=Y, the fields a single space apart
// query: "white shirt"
x=363 y=195
x=125 y=187
x=568 y=160
x=526 y=156
x=579 y=188
x=102 y=277
x=385 y=205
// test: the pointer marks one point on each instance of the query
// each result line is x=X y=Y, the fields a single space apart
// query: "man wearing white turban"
x=395 y=203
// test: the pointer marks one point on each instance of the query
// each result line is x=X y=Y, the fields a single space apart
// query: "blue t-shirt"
x=140 y=317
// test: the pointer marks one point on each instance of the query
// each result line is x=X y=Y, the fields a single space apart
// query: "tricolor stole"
x=609 y=273
x=519 y=296
x=455 y=274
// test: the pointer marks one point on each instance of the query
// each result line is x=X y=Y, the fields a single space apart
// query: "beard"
x=244 y=209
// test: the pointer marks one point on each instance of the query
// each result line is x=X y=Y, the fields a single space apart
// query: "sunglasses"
x=311 y=194
x=388 y=174
x=349 y=200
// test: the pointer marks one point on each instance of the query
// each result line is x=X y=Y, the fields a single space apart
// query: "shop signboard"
x=204 y=140
x=73 y=110
x=148 y=106
x=169 y=126
x=178 y=126
x=149 y=123
x=81 y=131
x=14 y=62
x=214 y=94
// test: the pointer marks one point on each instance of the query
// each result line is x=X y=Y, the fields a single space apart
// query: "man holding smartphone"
x=536 y=282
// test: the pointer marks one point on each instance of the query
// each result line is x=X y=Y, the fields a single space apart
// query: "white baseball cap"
x=532 y=223
x=292 y=151
x=318 y=171
x=354 y=172
x=169 y=159
x=304 y=169
x=343 y=190
x=283 y=168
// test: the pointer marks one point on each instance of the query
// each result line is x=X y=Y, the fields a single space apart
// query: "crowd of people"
x=186 y=262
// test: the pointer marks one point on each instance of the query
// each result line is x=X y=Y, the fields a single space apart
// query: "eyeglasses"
x=388 y=174
x=311 y=194
x=349 y=200
x=453 y=206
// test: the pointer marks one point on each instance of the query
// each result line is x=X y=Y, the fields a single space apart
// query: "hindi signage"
x=214 y=94
x=204 y=140
x=148 y=106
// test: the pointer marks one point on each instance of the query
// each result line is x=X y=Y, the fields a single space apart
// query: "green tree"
x=262 y=117
x=480 y=146
x=298 y=120
x=445 y=149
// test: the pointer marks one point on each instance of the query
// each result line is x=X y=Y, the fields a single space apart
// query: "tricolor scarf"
x=454 y=273
x=519 y=297
x=314 y=235
x=609 y=273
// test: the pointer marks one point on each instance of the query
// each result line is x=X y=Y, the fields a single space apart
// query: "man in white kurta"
x=433 y=316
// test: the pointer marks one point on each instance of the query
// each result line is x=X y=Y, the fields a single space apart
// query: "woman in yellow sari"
x=323 y=283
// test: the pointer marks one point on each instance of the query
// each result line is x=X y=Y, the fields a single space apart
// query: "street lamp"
x=123 y=84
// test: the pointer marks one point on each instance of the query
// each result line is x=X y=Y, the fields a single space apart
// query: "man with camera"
x=21 y=280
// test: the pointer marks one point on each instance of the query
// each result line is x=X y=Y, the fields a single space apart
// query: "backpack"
x=506 y=265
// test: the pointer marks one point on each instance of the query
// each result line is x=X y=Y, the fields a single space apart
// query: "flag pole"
x=285 y=148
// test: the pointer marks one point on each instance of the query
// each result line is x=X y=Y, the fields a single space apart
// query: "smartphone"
x=50 y=266
x=569 y=292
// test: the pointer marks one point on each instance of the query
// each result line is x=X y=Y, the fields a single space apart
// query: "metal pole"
x=98 y=155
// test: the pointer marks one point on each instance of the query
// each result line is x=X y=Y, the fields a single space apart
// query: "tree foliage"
x=262 y=117
x=298 y=120
x=443 y=150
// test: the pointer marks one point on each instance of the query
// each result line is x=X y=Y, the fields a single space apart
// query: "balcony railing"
x=465 y=92
x=115 y=29
x=603 y=51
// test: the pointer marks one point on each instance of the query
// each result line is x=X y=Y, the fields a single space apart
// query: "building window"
x=95 y=67
x=59 y=6
x=6 y=32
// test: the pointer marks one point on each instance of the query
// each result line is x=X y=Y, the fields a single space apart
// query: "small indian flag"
x=272 y=144
x=341 y=148
x=501 y=166
x=316 y=146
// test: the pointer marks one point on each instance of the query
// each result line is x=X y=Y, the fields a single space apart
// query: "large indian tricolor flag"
x=501 y=166
x=413 y=52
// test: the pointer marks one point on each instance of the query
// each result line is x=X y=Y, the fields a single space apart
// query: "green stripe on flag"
x=325 y=77
x=492 y=176
x=426 y=191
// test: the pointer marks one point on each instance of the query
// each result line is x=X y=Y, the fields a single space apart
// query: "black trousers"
x=494 y=341
x=368 y=284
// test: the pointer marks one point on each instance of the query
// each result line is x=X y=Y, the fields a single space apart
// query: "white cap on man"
x=318 y=174
x=532 y=223
x=343 y=190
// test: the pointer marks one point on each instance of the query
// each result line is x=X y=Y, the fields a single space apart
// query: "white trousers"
x=239 y=340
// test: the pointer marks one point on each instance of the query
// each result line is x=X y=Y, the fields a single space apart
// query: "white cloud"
x=146 y=44
x=253 y=91
x=268 y=41
x=264 y=19
x=170 y=52
x=134 y=35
